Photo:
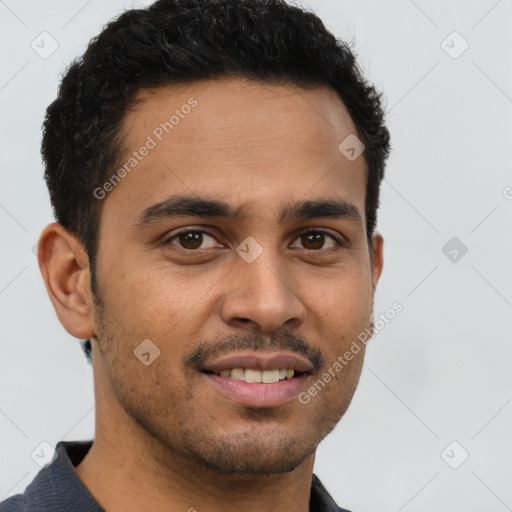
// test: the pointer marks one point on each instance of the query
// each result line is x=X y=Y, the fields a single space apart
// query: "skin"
x=165 y=439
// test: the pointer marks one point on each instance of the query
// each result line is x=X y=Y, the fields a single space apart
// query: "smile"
x=257 y=376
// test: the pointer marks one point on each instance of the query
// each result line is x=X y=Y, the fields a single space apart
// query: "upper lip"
x=260 y=361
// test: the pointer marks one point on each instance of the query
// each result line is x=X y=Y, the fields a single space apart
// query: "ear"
x=377 y=259
x=64 y=265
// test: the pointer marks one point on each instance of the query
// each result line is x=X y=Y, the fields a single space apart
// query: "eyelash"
x=313 y=231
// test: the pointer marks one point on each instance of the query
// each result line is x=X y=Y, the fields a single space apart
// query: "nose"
x=262 y=296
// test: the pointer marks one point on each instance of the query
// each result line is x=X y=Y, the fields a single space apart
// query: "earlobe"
x=64 y=266
x=377 y=258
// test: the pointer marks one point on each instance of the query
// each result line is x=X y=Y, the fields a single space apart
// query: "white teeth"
x=252 y=375
x=237 y=373
x=257 y=376
x=270 y=376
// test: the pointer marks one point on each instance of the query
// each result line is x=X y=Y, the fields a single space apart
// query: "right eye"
x=189 y=239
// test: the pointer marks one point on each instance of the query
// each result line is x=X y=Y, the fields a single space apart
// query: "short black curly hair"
x=179 y=42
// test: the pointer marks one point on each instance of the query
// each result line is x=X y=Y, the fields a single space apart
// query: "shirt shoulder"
x=14 y=504
x=57 y=487
x=28 y=501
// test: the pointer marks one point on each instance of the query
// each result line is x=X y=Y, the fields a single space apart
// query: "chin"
x=251 y=457
x=250 y=466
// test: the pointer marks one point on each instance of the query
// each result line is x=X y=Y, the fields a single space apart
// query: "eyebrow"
x=194 y=206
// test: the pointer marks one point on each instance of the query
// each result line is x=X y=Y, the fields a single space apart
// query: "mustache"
x=279 y=341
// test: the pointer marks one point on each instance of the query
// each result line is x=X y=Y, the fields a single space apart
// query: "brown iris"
x=317 y=239
x=193 y=238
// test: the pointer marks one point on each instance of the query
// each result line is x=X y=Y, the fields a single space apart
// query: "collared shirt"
x=58 y=488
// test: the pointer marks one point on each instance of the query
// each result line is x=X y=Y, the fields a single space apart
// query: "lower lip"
x=258 y=395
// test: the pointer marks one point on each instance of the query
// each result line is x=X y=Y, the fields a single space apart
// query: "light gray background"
x=438 y=373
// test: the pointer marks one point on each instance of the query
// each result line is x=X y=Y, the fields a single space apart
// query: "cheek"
x=146 y=296
x=339 y=315
x=163 y=304
x=344 y=300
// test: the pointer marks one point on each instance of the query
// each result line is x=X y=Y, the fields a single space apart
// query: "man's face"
x=254 y=284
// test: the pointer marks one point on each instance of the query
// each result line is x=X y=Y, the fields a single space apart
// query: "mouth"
x=255 y=388
x=255 y=376
x=258 y=379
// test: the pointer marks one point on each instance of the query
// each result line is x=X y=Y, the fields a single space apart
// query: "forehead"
x=249 y=143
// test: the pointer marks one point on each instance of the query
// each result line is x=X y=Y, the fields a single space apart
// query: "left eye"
x=193 y=239
x=316 y=238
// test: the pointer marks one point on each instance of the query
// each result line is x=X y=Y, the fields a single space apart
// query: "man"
x=214 y=168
